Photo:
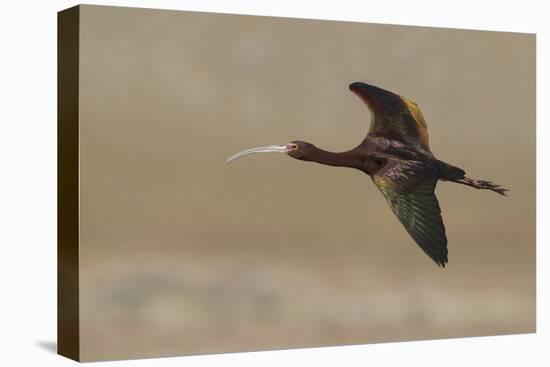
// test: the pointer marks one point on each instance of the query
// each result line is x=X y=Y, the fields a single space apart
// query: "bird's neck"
x=342 y=159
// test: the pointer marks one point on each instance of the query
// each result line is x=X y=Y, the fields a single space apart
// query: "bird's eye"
x=291 y=146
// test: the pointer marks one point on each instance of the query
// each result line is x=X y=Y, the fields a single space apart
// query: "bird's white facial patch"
x=290 y=147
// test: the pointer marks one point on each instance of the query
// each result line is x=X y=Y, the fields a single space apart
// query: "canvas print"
x=401 y=205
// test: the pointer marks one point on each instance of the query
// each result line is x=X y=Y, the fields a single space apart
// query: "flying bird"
x=396 y=155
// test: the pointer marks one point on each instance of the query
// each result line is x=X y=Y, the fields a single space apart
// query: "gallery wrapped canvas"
x=398 y=203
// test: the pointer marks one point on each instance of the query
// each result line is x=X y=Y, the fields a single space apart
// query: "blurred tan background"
x=183 y=254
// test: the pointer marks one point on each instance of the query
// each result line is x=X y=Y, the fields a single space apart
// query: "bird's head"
x=296 y=149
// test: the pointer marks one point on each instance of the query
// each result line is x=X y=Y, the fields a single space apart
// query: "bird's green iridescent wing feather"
x=408 y=187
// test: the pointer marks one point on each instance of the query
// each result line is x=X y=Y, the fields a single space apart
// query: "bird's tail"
x=480 y=184
x=455 y=174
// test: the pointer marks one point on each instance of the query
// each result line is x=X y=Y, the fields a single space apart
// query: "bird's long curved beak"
x=268 y=149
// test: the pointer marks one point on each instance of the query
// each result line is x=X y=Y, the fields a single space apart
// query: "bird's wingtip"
x=354 y=85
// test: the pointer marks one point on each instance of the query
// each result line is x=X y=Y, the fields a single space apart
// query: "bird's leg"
x=480 y=184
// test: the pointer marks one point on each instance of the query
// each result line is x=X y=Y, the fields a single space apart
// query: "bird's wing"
x=394 y=116
x=409 y=186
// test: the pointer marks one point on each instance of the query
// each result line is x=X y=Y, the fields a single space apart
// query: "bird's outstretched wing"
x=393 y=116
x=409 y=186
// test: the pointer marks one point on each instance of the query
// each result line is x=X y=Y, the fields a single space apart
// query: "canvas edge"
x=68 y=322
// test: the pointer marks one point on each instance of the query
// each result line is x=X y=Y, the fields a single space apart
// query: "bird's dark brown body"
x=396 y=155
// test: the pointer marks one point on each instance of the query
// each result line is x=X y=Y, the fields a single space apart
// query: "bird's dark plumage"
x=409 y=186
x=396 y=155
